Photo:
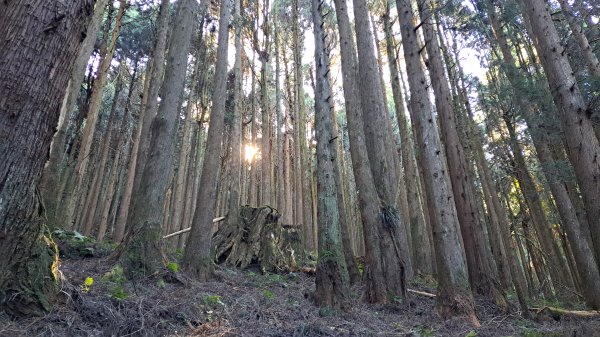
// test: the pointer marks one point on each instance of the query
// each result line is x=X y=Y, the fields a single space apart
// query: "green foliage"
x=118 y=292
x=179 y=254
x=397 y=299
x=360 y=264
x=212 y=301
x=173 y=266
x=87 y=284
x=471 y=333
x=116 y=277
x=268 y=294
x=326 y=312
x=161 y=284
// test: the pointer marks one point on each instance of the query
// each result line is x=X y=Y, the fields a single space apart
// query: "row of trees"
x=381 y=145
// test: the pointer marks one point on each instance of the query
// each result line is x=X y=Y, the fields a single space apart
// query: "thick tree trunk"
x=454 y=290
x=142 y=247
x=394 y=241
x=37 y=62
x=379 y=144
x=381 y=283
x=197 y=259
x=49 y=185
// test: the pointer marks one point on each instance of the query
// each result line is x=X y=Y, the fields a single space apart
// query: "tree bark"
x=37 y=62
x=197 y=260
x=480 y=272
x=583 y=147
x=142 y=246
x=454 y=291
x=154 y=74
x=49 y=185
x=582 y=251
x=332 y=280
x=236 y=133
x=381 y=283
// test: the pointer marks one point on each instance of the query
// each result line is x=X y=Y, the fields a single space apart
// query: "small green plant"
x=115 y=275
x=326 y=312
x=118 y=279
x=161 y=284
x=179 y=254
x=471 y=333
x=212 y=301
x=397 y=299
x=173 y=266
x=118 y=292
x=268 y=294
x=87 y=284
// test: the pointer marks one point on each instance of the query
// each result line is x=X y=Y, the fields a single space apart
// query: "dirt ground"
x=246 y=303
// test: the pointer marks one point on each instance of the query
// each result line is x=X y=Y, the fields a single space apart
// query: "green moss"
x=173 y=266
x=327 y=312
x=268 y=294
x=212 y=301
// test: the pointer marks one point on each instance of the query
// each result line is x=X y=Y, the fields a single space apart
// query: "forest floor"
x=247 y=303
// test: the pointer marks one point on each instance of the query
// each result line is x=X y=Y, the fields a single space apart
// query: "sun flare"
x=250 y=152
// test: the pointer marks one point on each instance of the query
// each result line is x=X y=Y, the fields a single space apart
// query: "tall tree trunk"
x=49 y=185
x=107 y=52
x=480 y=272
x=236 y=133
x=582 y=251
x=265 y=115
x=197 y=260
x=154 y=76
x=555 y=262
x=182 y=170
x=583 y=147
x=142 y=246
x=88 y=213
x=384 y=276
x=332 y=281
x=38 y=59
x=395 y=247
x=416 y=220
x=454 y=291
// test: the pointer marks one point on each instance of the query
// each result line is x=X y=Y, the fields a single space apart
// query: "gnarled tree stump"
x=258 y=238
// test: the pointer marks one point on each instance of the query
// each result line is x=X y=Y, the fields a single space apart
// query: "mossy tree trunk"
x=332 y=279
x=37 y=60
